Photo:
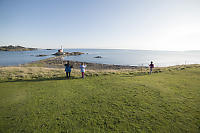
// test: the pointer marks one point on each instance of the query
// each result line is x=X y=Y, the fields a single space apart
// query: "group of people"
x=68 y=68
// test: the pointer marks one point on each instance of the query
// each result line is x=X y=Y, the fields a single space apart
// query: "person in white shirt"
x=82 y=67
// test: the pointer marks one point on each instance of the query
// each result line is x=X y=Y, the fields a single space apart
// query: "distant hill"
x=15 y=48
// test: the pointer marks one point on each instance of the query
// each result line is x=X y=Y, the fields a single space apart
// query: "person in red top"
x=151 y=66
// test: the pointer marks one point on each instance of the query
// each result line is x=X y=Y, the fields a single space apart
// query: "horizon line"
x=108 y=48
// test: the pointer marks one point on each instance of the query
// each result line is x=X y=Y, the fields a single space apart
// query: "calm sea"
x=109 y=56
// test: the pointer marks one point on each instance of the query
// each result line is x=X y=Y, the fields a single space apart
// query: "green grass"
x=125 y=102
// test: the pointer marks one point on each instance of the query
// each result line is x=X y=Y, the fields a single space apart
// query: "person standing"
x=151 y=66
x=82 y=67
x=68 y=69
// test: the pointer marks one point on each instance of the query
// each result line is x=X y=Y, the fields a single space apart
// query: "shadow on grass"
x=41 y=79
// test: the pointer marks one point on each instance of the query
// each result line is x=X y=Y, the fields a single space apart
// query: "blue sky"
x=124 y=24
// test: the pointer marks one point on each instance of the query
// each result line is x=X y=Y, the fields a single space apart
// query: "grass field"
x=168 y=101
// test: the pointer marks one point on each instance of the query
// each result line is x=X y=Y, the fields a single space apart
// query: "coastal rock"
x=76 y=53
x=41 y=55
x=59 y=53
x=98 y=57
x=15 y=48
x=67 y=53
x=49 y=49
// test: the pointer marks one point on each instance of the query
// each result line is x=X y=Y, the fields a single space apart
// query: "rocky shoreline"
x=58 y=62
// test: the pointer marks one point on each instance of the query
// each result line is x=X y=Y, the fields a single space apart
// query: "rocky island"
x=15 y=48
x=61 y=52
x=98 y=57
x=67 y=53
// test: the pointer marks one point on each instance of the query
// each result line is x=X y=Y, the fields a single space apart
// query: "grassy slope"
x=163 y=102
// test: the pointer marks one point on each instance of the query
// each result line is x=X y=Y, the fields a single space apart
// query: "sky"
x=105 y=24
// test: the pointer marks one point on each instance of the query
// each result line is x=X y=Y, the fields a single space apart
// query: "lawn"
x=168 y=101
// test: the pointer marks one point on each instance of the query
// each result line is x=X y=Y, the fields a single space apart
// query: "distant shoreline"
x=16 y=48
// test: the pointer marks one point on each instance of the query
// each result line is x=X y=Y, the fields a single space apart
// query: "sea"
x=109 y=56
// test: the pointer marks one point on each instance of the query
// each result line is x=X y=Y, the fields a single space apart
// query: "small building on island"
x=61 y=50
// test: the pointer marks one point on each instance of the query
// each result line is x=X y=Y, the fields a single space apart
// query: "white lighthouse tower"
x=60 y=50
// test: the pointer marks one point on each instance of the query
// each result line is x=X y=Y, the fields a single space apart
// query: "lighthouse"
x=60 y=50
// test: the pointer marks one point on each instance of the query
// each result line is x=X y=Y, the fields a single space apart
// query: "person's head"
x=151 y=62
x=82 y=63
x=68 y=62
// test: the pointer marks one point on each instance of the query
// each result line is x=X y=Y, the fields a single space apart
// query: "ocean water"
x=10 y=58
x=109 y=56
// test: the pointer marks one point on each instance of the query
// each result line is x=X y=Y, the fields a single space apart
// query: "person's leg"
x=82 y=74
x=69 y=74
x=150 y=70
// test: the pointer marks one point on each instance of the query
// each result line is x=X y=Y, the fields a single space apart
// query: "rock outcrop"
x=98 y=57
x=15 y=48
x=67 y=53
